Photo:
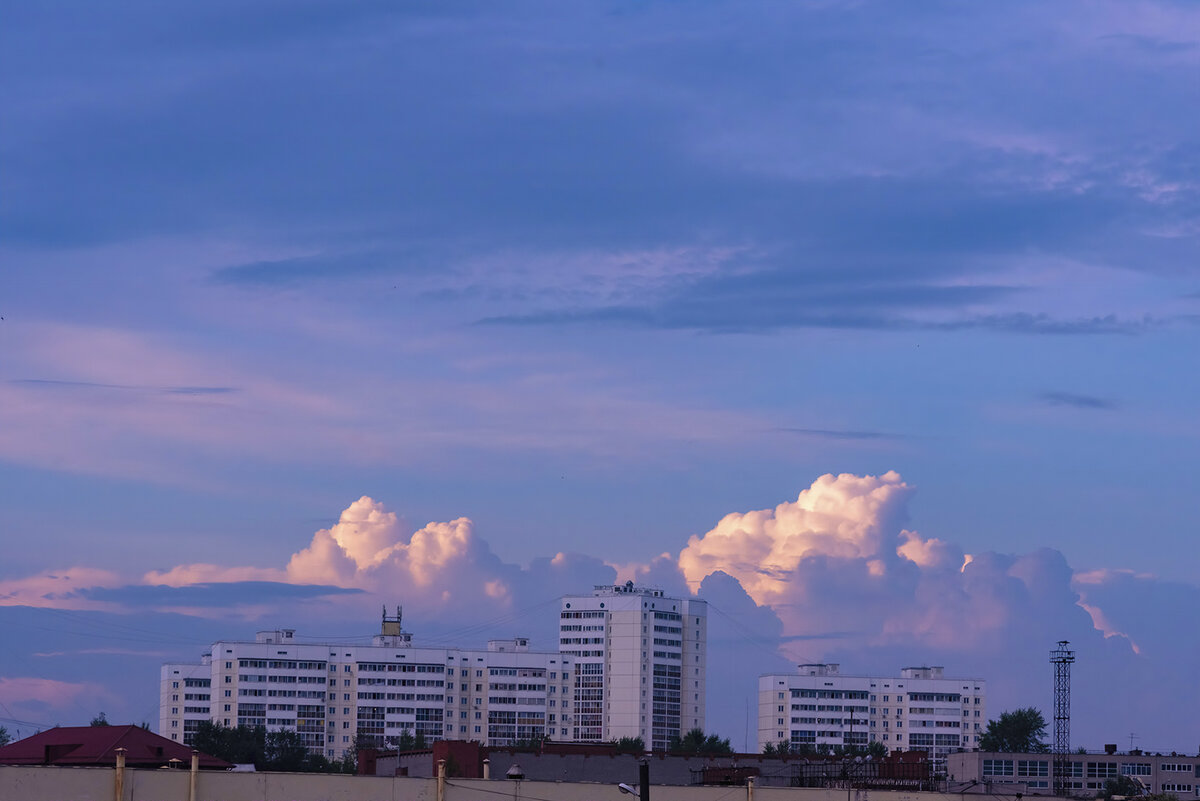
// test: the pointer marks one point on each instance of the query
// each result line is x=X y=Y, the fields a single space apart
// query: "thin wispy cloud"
x=840 y=434
x=48 y=383
x=1076 y=401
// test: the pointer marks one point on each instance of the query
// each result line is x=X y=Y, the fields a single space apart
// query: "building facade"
x=184 y=699
x=921 y=709
x=1033 y=774
x=330 y=693
x=639 y=660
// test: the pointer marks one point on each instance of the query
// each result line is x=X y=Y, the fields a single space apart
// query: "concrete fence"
x=36 y=783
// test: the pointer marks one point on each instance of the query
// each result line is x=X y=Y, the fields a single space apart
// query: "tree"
x=696 y=742
x=99 y=720
x=407 y=742
x=5 y=737
x=1018 y=731
x=533 y=743
x=1121 y=785
x=630 y=745
x=284 y=750
x=242 y=745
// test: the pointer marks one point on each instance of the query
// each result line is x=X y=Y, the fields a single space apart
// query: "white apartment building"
x=330 y=692
x=639 y=661
x=184 y=699
x=921 y=709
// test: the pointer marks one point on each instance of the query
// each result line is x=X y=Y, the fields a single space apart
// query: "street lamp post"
x=643 y=791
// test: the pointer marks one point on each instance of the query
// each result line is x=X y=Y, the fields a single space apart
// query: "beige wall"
x=96 y=784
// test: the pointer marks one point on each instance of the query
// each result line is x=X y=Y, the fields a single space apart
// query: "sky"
x=874 y=324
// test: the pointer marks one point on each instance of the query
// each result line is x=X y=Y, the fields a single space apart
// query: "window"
x=997 y=767
x=1135 y=768
x=1102 y=770
x=1033 y=767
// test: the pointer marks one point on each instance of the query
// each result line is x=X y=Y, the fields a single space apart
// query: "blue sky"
x=594 y=276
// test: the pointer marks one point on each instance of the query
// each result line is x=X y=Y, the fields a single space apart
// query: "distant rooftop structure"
x=69 y=746
x=819 y=669
x=935 y=672
x=627 y=588
x=835 y=669
x=276 y=636
x=391 y=631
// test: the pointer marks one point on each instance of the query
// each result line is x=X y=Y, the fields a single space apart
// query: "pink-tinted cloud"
x=36 y=699
x=112 y=401
x=60 y=589
x=838 y=562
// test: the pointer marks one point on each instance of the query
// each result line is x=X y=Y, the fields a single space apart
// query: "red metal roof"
x=97 y=745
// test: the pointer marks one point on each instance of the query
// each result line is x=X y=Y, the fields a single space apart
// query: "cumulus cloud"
x=370 y=548
x=837 y=574
x=442 y=573
x=838 y=562
x=845 y=517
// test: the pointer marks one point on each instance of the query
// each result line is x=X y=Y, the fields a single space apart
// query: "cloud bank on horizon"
x=834 y=574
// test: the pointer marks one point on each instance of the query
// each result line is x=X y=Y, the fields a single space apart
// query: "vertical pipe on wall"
x=192 y=775
x=119 y=779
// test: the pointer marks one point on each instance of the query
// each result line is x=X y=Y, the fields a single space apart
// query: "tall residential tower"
x=639 y=661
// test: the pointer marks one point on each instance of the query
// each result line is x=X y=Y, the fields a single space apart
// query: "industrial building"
x=1033 y=774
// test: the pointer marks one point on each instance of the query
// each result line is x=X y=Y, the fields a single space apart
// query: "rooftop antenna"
x=1132 y=736
x=1062 y=657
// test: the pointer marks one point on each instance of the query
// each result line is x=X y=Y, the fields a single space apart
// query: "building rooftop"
x=628 y=588
x=97 y=745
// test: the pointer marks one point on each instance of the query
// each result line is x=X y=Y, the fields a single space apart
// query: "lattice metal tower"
x=1062 y=657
